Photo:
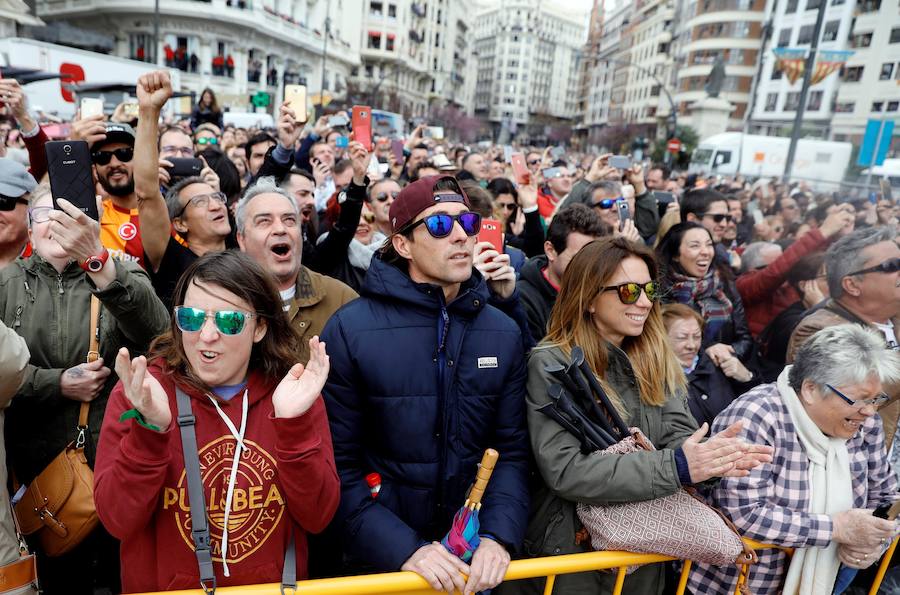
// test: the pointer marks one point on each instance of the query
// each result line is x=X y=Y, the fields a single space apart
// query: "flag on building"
x=790 y=61
x=827 y=62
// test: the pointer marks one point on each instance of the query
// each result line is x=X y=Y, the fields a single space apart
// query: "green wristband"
x=136 y=416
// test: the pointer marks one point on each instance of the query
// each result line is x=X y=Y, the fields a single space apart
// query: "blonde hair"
x=655 y=366
x=668 y=221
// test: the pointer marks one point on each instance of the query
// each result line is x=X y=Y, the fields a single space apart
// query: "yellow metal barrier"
x=408 y=583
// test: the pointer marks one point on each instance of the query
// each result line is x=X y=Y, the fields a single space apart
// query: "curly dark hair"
x=575 y=218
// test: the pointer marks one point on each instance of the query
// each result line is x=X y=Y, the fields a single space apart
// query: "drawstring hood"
x=238 y=448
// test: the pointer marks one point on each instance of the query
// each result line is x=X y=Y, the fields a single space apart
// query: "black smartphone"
x=888 y=511
x=184 y=167
x=663 y=200
x=69 y=167
x=624 y=212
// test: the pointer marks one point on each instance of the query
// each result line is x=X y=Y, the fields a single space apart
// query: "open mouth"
x=281 y=250
x=208 y=356
x=636 y=317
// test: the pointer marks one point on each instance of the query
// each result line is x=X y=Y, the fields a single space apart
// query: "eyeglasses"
x=440 y=225
x=228 y=322
x=383 y=196
x=207 y=140
x=202 y=201
x=39 y=214
x=533 y=161
x=186 y=151
x=629 y=293
x=719 y=217
x=860 y=403
x=509 y=206
x=888 y=266
x=606 y=203
x=8 y=203
x=123 y=154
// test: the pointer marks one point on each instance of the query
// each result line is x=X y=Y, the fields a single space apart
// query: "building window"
x=887 y=69
x=814 y=103
x=853 y=74
x=893 y=105
x=374 y=41
x=392 y=11
x=389 y=42
x=844 y=108
x=776 y=74
x=831 y=31
x=369 y=71
x=376 y=9
x=862 y=40
x=771 y=102
x=806 y=34
x=784 y=38
x=877 y=106
x=791 y=6
x=895 y=35
x=868 y=6
x=813 y=4
x=792 y=101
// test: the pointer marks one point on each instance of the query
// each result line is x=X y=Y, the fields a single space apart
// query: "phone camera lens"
x=67 y=149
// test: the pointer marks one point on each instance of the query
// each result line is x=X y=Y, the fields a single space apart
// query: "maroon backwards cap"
x=417 y=197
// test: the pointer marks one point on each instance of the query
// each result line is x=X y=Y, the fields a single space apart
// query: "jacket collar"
x=38 y=266
x=257 y=385
x=310 y=290
x=390 y=282
x=533 y=274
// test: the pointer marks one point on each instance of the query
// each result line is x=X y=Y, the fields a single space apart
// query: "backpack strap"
x=196 y=497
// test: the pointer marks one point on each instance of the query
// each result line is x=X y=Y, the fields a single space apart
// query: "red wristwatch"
x=94 y=264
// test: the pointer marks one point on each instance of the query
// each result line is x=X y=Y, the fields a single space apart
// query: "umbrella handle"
x=485 y=468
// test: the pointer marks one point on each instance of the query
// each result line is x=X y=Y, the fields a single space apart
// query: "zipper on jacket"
x=18 y=321
x=59 y=284
x=443 y=331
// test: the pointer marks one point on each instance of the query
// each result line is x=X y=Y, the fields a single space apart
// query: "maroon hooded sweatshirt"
x=286 y=482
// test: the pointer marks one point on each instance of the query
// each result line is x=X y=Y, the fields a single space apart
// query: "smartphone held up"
x=69 y=169
x=361 y=120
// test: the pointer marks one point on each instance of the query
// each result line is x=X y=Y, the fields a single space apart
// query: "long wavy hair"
x=236 y=272
x=655 y=366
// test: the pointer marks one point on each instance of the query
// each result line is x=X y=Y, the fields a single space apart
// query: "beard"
x=121 y=190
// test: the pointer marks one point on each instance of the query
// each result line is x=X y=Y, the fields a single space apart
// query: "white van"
x=249 y=119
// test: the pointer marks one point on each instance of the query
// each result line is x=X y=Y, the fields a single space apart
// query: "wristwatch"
x=94 y=264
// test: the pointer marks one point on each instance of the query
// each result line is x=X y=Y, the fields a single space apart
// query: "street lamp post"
x=156 y=52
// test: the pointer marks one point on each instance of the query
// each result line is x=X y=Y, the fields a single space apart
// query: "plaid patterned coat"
x=770 y=504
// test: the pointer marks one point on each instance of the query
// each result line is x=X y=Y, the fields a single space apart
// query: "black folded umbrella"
x=550 y=411
x=564 y=403
x=594 y=388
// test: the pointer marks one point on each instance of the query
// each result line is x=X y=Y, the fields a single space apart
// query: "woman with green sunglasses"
x=262 y=437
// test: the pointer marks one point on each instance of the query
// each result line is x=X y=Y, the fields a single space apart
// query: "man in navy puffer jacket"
x=425 y=375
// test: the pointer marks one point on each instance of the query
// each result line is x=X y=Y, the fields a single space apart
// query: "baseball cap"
x=15 y=181
x=116 y=132
x=420 y=195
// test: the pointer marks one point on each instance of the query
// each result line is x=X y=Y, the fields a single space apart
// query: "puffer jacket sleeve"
x=140 y=315
x=513 y=307
x=13 y=363
x=504 y=512
x=590 y=478
x=646 y=214
x=372 y=532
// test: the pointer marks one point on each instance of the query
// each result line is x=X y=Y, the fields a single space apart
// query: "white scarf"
x=813 y=570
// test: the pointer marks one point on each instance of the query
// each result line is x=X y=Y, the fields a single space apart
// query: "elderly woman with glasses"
x=692 y=276
x=46 y=299
x=830 y=470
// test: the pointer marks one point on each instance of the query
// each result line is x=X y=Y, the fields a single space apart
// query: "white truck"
x=821 y=163
x=77 y=66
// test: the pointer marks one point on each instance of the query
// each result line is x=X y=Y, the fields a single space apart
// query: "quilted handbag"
x=680 y=525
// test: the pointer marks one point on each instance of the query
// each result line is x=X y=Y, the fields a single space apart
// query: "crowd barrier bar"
x=408 y=583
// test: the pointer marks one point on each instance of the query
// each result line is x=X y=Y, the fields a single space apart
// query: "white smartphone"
x=91 y=106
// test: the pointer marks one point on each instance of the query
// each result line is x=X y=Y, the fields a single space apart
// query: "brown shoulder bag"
x=58 y=505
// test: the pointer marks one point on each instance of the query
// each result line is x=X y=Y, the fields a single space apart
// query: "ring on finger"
x=858 y=561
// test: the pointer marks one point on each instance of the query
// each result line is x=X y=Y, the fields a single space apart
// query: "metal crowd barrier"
x=408 y=583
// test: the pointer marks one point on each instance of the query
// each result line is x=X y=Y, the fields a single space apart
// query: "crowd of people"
x=318 y=323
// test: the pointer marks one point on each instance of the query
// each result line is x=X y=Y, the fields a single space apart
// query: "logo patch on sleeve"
x=487 y=362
